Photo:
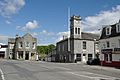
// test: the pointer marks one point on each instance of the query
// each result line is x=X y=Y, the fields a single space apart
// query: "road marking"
x=2 y=75
x=80 y=75
x=98 y=77
x=55 y=67
x=62 y=68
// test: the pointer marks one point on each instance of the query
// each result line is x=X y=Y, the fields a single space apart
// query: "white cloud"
x=10 y=7
x=28 y=26
x=3 y=39
x=46 y=33
x=93 y=23
x=35 y=34
x=61 y=34
x=8 y=22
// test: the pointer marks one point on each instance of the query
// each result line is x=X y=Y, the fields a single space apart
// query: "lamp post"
x=94 y=48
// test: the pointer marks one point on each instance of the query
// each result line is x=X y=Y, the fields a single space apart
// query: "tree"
x=43 y=50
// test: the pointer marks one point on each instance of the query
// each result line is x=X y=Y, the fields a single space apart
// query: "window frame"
x=108 y=44
x=20 y=44
x=75 y=30
x=27 y=44
x=34 y=45
x=84 y=44
x=78 y=30
x=108 y=30
x=118 y=28
x=119 y=42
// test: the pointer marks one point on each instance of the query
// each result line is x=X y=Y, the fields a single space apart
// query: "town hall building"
x=80 y=46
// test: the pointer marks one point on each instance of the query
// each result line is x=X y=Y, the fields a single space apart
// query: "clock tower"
x=75 y=27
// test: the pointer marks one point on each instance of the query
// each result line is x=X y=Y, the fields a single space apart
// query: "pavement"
x=38 y=70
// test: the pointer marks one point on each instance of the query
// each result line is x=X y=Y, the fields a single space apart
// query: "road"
x=33 y=70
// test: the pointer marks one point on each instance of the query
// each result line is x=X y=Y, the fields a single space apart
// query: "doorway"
x=27 y=55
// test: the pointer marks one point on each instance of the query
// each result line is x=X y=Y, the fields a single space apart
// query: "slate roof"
x=85 y=36
x=113 y=32
x=89 y=36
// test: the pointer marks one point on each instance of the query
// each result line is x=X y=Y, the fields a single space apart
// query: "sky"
x=47 y=20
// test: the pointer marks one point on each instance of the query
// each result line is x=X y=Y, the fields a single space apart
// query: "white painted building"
x=110 y=45
x=3 y=51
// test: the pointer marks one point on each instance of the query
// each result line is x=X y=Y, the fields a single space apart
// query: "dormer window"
x=118 y=28
x=108 y=30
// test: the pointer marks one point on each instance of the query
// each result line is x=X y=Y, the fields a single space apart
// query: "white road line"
x=62 y=68
x=80 y=75
x=105 y=76
x=2 y=75
x=55 y=67
x=98 y=77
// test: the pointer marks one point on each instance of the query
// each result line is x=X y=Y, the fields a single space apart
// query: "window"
x=34 y=44
x=108 y=57
x=78 y=30
x=58 y=47
x=11 y=46
x=84 y=45
x=118 y=28
x=20 y=45
x=108 y=30
x=75 y=30
x=119 y=42
x=63 y=47
x=108 y=44
x=27 y=44
x=72 y=31
x=89 y=56
x=104 y=46
x=78 y=57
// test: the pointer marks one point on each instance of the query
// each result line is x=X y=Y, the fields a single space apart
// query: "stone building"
x=22 y=48
x=80 y=46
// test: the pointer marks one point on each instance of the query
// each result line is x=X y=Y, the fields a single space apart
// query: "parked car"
x=95 y=61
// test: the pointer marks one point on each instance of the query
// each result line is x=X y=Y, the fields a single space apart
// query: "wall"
x=114 y=43
x=116 y=57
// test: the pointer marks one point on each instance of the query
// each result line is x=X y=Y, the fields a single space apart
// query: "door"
x=27 y=55
x=84 y=58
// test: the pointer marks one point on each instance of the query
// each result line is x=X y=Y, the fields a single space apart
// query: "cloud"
x=93 y=23
x=46 y=33
x=3 y=39
x=10 y=7
x=8 y=22
x=61 y=34
x=28 y=26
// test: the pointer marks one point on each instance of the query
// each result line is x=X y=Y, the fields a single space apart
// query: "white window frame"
x=108 y=32
x=20 y=43
x=118 y=28
x=34 y=45
x=84 y=45
x=119 y=42
x=108 y=46
x=27 y=44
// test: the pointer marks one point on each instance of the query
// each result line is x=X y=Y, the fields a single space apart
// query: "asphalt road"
x=33 y=70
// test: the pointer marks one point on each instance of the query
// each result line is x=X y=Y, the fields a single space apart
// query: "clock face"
x=77 y=22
